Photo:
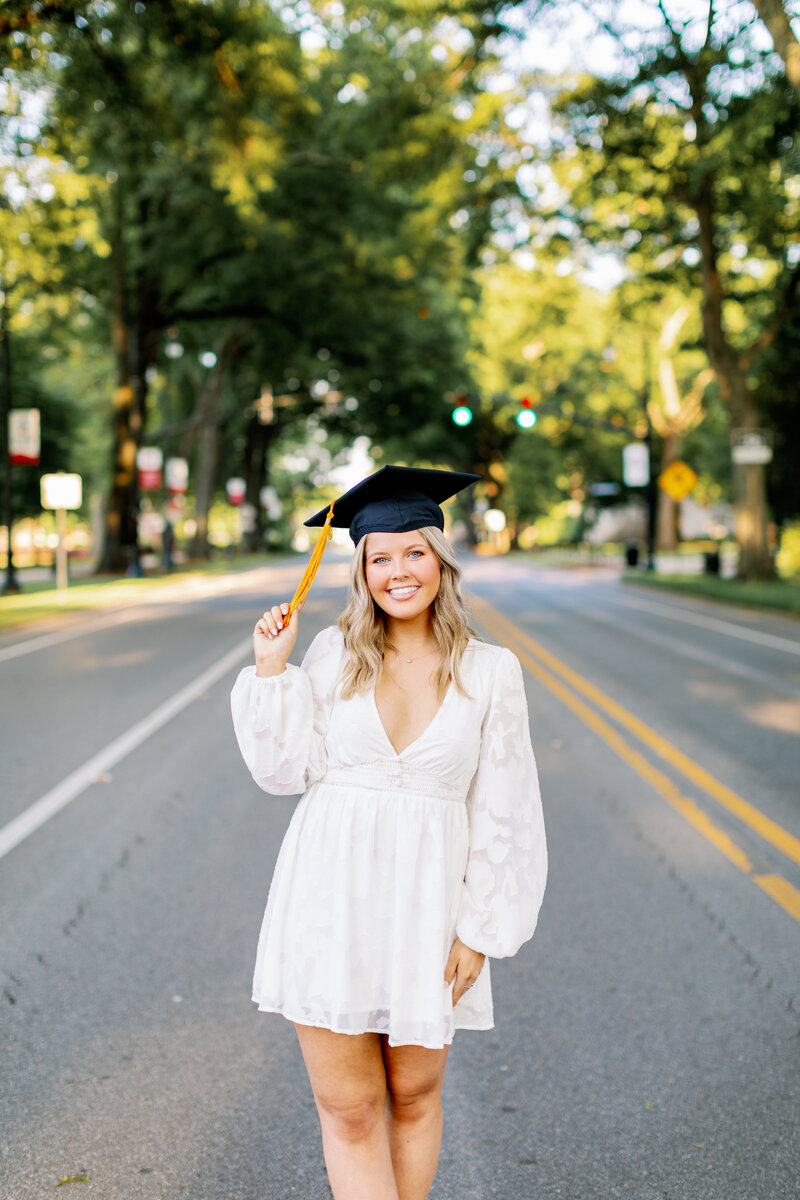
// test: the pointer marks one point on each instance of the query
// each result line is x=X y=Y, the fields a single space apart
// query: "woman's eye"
x=414 y=553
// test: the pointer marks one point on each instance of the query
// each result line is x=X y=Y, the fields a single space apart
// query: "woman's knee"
x=351 y=1118
x=414 y=1100
x=414 y=1078
x=348 y=1079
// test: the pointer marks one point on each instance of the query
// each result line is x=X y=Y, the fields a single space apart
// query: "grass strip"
x=778 y=595
x=41 y=600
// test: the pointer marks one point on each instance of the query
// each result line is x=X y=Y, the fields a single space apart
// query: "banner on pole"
x=24 y=438
x=177 y=475
x=149 y=461
x=236 y=490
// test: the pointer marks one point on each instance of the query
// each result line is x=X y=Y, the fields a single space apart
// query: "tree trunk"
x=120 y=541
x=666 y=508
x=776 y=19
x=205 y=478
x=209 y=418
x=750 y=498
x=756 y=560
x=255 y=474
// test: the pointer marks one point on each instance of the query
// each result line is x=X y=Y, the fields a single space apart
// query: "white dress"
x=389 y=856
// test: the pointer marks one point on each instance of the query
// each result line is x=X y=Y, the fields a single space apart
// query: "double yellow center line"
x=555 y=675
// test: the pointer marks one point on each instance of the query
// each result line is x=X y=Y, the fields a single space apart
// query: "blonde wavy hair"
x=363 y=622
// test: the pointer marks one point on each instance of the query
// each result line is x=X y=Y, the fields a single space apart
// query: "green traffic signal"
x=462 y=415
x=526 y=417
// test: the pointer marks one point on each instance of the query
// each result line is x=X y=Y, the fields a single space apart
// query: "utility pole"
x=652 y=499
x=11 y=585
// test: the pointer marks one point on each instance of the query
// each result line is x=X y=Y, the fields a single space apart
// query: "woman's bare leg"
x=414 y=1076
x=348 y=1079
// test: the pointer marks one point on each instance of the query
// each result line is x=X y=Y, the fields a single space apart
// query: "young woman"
x=418 y=847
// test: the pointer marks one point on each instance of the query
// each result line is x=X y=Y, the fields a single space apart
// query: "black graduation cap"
x=395 y=500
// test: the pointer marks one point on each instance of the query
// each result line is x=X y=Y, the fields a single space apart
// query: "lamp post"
x=651 y=486
x=11 y=585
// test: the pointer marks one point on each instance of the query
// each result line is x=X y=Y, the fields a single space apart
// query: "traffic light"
x=462 y=413
x=526 y=417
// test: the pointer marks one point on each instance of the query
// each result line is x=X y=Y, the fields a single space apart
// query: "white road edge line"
x=140 y=609
x=747 y=635
x=63 y=793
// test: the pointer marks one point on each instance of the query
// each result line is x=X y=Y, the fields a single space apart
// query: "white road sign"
x=61 y=490
x=751 y=446
x=635 y=464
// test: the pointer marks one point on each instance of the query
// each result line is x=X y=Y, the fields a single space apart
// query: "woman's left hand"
x=463 y=965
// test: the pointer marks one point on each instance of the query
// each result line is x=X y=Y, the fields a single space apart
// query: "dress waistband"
x=388 y=775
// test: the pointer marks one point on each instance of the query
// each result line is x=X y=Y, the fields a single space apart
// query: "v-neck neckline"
x=428 y=727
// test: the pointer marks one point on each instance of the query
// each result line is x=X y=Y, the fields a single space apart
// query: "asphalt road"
x=648 y=1039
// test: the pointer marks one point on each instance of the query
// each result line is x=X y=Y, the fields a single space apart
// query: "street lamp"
x=11 y=584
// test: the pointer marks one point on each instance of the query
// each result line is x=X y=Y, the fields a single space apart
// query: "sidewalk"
x=666 y=563
x=39 y=602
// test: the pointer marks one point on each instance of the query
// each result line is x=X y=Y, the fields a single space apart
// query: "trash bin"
x=632 y=554
x=711 y=562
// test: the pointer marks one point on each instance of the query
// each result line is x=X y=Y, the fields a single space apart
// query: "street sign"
x=751 y=446
x=61 y=490
x=635 y=464
x=677 y=480
x=176 y=471
x=24 y=440
x=149 y=461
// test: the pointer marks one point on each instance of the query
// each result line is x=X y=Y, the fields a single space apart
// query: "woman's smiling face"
x=403 y=573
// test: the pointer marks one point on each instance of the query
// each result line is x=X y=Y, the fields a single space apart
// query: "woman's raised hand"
x=273 y=640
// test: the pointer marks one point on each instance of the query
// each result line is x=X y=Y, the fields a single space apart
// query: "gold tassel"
x=304 y=586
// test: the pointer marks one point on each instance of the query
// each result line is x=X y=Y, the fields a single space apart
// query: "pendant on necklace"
x=409 y=660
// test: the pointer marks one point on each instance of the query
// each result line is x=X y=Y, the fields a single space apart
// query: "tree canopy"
x=340 y=215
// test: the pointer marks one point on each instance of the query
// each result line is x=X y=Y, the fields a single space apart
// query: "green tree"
x=682 y=161
x=329 y=201
x=777 y=19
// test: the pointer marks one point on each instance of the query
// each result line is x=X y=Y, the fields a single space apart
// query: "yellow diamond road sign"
x=677 y=480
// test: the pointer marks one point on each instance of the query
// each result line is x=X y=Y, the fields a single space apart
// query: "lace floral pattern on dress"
x=388 y=856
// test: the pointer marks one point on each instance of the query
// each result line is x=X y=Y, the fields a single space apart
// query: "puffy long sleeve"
x=507 y=864
x=281 y=721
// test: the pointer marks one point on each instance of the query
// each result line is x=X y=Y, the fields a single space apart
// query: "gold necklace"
x=418 y=658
